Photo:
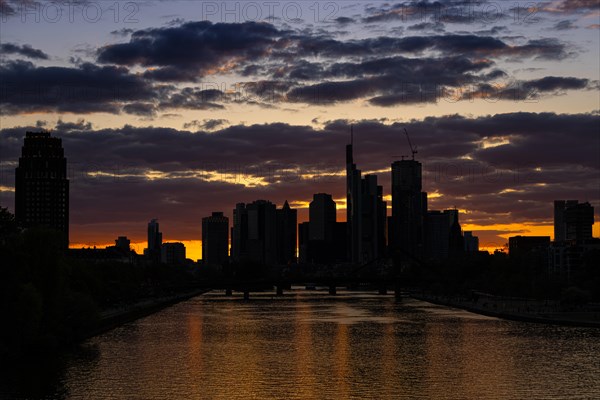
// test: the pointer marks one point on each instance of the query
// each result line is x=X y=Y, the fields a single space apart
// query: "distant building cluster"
x=412 y=234
x=564 y=255
x=264 y=234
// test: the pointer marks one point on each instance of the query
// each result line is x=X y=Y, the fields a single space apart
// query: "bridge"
x=381 y=278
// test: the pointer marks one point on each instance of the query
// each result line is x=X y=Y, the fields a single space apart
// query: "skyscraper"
x=239 y=232
x=153 y=252
x=572 y=220
x=286 y=234
x=172 y=253
x=215 y=239
x=255 y=232
x=471 y=242
x=353 y=205
x=322 y=217
x=41 y=185
x=373 y=219
x=321 y=229
x=409 y=205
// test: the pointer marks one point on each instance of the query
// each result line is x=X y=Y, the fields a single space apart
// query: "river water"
x=309 y=345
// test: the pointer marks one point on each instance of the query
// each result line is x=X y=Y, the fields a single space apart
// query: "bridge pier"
x=246 y=295
x=279 y=289
x=397 y=291
x=228 y=292
x=332 y=290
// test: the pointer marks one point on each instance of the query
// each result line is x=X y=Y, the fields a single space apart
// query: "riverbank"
x=110 y=319
x=518 y=310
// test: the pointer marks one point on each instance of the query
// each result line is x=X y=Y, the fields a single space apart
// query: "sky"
x=175 y=109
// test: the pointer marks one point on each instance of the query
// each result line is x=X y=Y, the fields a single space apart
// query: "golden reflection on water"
x=308 y=345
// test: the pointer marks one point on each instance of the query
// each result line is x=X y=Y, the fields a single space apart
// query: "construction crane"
x=413 y=150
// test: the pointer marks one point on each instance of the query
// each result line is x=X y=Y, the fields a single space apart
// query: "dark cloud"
x=193 y=98
x=207 y=124
x=85 y=89
x=196 y=47
x=140 y=109
x=80 y=125
x=578 y=5
x=344 y=20
x=123 y=32
x=427 y=26
x=564 y=25
x=502 y=168
x=527 y=90
x=24 y=50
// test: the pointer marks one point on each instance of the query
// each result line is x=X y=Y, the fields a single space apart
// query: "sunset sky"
x=175 y=109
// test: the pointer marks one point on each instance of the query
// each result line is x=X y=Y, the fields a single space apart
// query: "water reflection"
x=308 y=345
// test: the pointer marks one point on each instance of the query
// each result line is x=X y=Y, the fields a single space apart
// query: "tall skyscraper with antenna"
x=353 y=204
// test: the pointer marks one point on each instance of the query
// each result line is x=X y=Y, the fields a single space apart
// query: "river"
x=310 y=345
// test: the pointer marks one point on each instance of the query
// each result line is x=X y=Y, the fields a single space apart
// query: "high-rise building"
x=443 y=235
x=373 y=219
x=303 y=251
x=322 y=217
x=579 y=219
x=437 y=230
x=409 y=206
x=239 y=232
x=173 y=253
x=321 y=228
x=254 y=233
x=123 y=243
x=41 y=184
x=153 y=252
x=353 y=205
x=286 y=234
x=519 y=246
x=471 y=242
x=572 y=220
x=560 y=232
x=456 y=246
x=215 y=239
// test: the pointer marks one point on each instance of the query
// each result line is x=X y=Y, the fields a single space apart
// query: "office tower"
x=239 y=232
x=322 y=217
x=572 y=220
x=381 y=223
x=41 y=184
x=215 y=239
x=303 y=256
x=153 y=252
x=122 y=243
x=173 y=253
x=373 y=219
x=353 y=205
x=437 y=235
x=560 y=233
x=471 y=242
x=579 y=219
x=321 y=229
x=286 y=234
x=518 y=246
x=254 y=233
x=409 y=206
x=456 y=245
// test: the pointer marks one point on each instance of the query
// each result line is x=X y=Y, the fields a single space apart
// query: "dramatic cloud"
x=86 y=89
x=24 y=50
x=196 y=48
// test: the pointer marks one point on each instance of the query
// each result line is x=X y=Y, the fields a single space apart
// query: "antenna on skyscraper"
x=351 y=134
